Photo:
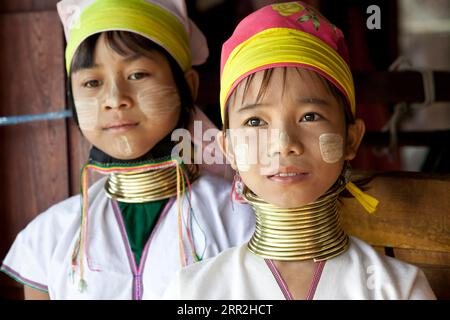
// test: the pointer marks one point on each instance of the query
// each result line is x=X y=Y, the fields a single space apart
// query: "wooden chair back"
x=412 y=222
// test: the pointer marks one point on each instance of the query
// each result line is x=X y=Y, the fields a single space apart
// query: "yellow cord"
x=368 y=202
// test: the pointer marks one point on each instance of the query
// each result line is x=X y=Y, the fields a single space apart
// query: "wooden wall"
x=39 y=162
x=28 y=6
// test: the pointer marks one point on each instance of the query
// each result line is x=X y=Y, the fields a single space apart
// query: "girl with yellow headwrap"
x=131 y=84
x=288 y=107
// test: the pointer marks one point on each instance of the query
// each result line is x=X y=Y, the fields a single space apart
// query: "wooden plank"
x=79 y=148
x=413 y=220
x=33 y=166
x=78 y=155
x=439 y=279
x=380 y=250
x=435 y=265
x=391 y=87
x=423 y=257
x=413 y=212
x=15 y=6
x=419 y=138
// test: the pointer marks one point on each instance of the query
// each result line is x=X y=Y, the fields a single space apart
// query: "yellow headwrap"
x=138 y=16
x=292 y=47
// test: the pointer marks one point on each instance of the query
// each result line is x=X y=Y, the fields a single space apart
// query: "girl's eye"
x=138 y=76
x=255 y=122
x=92 y=84
x=311 y=117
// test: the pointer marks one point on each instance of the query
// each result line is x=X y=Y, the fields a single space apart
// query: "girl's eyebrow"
x=91 y=67
x=307 y=100
x=315 y=101
x=129 y=59
x=251 y=106
x=136 y=56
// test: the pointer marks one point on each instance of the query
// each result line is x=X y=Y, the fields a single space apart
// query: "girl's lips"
x=289 y=177
x=120 y=127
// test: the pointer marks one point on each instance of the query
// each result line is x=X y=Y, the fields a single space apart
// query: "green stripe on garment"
x=140 y=220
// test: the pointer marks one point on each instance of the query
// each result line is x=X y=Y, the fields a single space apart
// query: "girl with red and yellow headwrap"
x=288 y=107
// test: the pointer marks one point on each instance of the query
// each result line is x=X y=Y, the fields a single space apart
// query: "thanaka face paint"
x=112 y=97
x=87 y=113
x=123 y=146
x=331 y=147
x=283 y=139
x=159 y=100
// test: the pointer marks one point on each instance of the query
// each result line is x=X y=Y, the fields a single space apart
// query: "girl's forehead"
x=276 y=83
x=119 y=52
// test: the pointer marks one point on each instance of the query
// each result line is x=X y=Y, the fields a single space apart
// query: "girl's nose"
x=115 y=96
x=285 y=142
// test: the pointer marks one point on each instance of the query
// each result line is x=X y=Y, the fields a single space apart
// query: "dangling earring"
x=237 y=188
x=347 y=172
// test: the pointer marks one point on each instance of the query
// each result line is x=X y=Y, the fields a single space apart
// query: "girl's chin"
x=127 y=155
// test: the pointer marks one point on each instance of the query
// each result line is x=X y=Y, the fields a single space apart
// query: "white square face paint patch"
x=331 y=147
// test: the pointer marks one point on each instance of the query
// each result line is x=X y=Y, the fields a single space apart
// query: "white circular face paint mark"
x=242 y=157
x=87 y=113
x=331 y=147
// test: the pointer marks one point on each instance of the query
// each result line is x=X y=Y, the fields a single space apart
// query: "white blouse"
x=359 y=273
x=41 y=254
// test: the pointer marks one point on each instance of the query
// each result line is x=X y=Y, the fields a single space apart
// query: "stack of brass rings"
x=146 y=186
x=310 y=232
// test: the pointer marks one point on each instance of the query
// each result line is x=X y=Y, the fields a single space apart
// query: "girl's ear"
x=355 y=133
x=192 y=80
x=226 y=148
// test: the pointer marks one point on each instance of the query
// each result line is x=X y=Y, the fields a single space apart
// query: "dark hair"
x=267 y=75
x=125 y=43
